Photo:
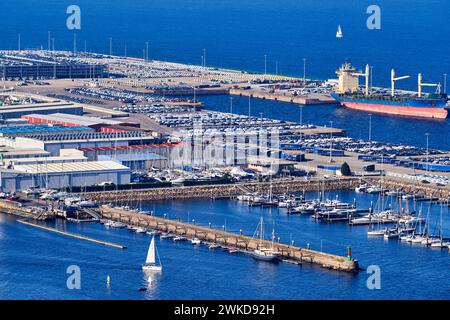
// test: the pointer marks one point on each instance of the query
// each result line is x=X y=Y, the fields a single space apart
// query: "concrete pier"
x=304 y=100
x=241 y=242
x=73 y=235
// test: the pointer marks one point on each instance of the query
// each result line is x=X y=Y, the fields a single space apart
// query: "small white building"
x=63 y=175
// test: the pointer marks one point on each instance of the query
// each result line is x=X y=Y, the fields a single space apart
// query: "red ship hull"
x=431 y=113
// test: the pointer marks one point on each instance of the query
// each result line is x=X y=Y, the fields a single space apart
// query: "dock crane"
x=420 y=84
x=366 y=75
x=393 y=79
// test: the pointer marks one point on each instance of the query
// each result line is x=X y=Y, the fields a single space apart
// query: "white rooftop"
x=70 y=118
x=71 y=167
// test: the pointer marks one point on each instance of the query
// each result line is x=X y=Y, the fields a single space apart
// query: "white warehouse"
x=63 y=175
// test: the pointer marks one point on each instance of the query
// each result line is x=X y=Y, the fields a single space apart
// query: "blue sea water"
x=237 y=34
x=33 y=262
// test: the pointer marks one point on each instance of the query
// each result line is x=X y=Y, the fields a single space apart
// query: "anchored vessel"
x=423 y=105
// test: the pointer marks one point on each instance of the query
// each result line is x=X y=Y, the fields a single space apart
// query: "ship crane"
x=366 y=75
x=393 y=79
x=420 y=84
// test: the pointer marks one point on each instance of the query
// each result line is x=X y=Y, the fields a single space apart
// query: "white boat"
x=261 y=253
x=213 y=246
x=339 y=33
x=374 y=190
x=440 y=244
x=179 y=239
x=141 y=230
x=391 y=233
x=406 y=238
x=196 y=241
x=361 y=188
x=153 y=233
x=429 y=241
x=379 y=232
x=150 y=261
x=116 y=224
x=417 y=239
x=166 y=236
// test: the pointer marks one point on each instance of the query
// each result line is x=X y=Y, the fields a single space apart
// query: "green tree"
x=345 y=169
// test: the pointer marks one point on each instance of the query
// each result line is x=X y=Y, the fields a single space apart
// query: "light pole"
x=304 y=71
x=265 y=64
x=445 y=83
x=204 y=57
x=370 y=127
x=231 y=105
x=428 y=157
x=331 y=141
x=371 y=78
x=301 y=121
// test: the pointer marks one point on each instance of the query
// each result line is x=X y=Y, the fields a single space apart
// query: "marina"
x=287 y=159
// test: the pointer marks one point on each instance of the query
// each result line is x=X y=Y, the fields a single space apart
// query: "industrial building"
x=65 y=156
x=38 y=130
x=63 y=175
x=70 y=120
x=136 y=157
x=7 y=152
x=55 y=142
x=16 y=105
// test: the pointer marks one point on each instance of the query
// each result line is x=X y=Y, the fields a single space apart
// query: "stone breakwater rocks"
x=225 y=191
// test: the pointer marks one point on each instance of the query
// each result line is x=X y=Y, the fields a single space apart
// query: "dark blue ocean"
x=237 y=34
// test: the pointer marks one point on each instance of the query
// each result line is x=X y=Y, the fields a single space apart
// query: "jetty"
x=228 y=239
x=73 y=235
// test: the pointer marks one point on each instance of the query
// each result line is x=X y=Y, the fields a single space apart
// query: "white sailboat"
x=150 y=262
x=339 y=33
x=261 y=253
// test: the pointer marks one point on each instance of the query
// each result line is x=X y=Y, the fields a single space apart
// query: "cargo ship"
x=421 y=105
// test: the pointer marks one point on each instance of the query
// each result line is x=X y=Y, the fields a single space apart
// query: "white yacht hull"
x=152 y=268
x=263 y=257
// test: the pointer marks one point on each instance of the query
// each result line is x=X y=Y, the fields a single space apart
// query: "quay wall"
x=224 y=191
x=393 y=183
x=15 y=208
x=305 y=100
x=242 y=242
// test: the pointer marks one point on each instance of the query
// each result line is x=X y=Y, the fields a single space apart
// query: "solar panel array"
x=89 y=136
x=31 y=129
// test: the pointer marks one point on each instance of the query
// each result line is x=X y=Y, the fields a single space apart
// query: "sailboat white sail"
x=150 y=261
x=339 y=33
x=261 y=253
